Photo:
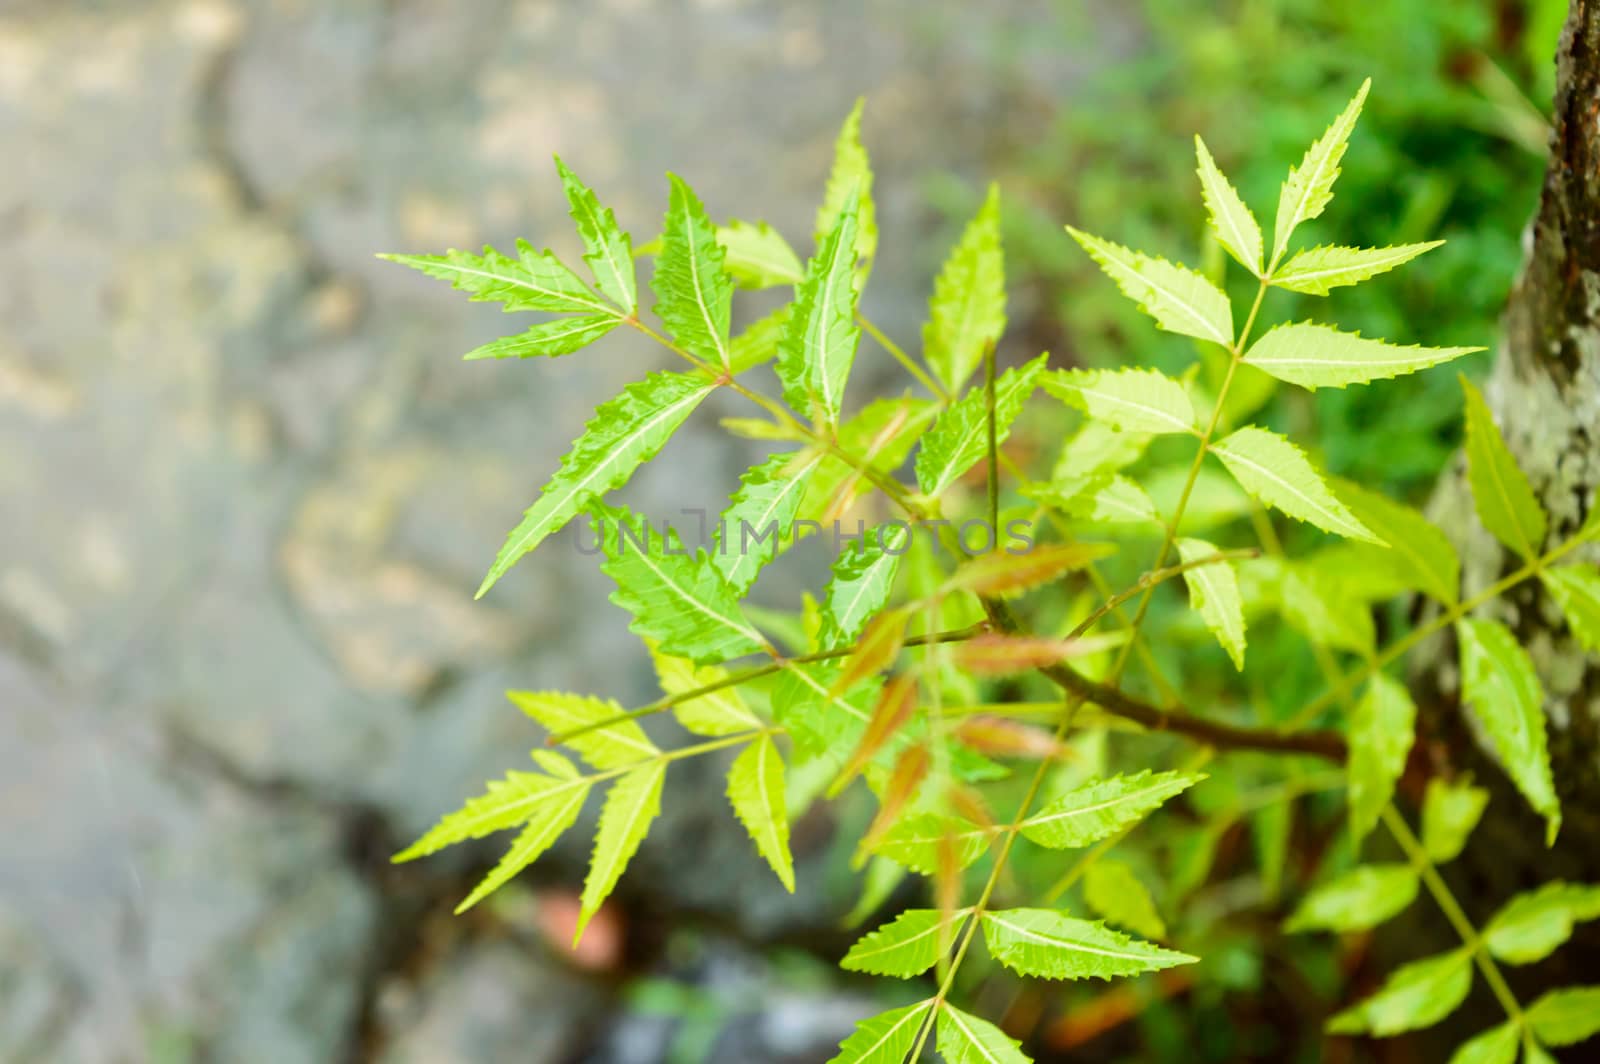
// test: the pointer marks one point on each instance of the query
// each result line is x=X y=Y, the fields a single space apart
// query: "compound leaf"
x=1235 y=227
x=694 y=297
x=1382 y=727
x=549 y=338
x=851 y=173
x=625 y=433
x=905 y=947
x=1361 y=898
x=1416 y=995
x=821 y=336
x=1576 y=589
x=632 y=804
x=959 y=438
x=677 y=598
x=885 y=1038
x=1504 y=498
x=1179 y=299
x=755 y=787
x=967 y=311
x=757 y=255
x=1320 y=356
x=1133 y=400
x=1214 y=592
x=1566 y=1017
x=1499 y=682
x=1315 y=271
x=608 y=250
x=1278 y=474
x=965 y=1039
x=1310 y=185
x=1100 y=809
x=1450 y=810
x=1530 y=926
x=621 y=742
x=547 y=822
x=1049 y=945
x=534 y=280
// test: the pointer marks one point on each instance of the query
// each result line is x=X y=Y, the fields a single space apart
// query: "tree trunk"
x=1545 y=394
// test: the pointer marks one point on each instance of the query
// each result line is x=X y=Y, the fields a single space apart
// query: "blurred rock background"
x=248 y=489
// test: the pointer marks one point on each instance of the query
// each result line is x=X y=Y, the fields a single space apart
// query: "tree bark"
x=1544 y=391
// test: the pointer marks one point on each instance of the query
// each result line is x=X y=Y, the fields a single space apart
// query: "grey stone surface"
x=248 y=490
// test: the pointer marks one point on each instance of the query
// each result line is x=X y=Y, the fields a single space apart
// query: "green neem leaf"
x=1566 y=1017
x=1112 y=890
x=1214 y=591
x=915 y=842
x=1320 y=356
x=1319 y=605
x=967 y=311
x=549 y=338
x=632 y=804
x=1530 y=926
x=721 y=712
x=823 y=723
x=1450 y=810
x=1235 y=227
x=965 y=1039
x=1497 y=1045
x=1179 y=299
x=677 y=598
x=1576 y=589
x=759 y=341
x=1049 y=945
x=1504 y=498
x=760 y=515
x=1499 y=682
x=1097 y=810
x=1096 y=449
x=608 y=250
x=1134 y=400
x=694 y=297
x=958 y=440
x=885 y=1038
x=883 y=433
x=1417 y=995
x=505 y=804
x=1279 y=474
x=624 y=433
x=820 y=340
x=618 y=744
x=547 y=822
x=1382 y=727
x=757 y=255
x=534 y=280
x=1420 y=555
x=905 y=947
x=863 y=577
x=851 y=173
x=1316 y=270
x=755 y=787
x=1310 y=185
x=1361 y=898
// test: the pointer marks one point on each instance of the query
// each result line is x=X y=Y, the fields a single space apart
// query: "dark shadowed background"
x=248 y=489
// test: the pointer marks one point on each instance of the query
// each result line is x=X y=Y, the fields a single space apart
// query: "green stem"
x=1397 y=649
x=899 y=355
x=1418 y=856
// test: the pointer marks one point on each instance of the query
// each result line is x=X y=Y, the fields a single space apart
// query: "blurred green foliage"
x=1451 y=148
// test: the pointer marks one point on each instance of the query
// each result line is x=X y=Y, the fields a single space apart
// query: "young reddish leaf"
x=895 y=706
x=909 y=771
x=1007 y=738
x=1003 y=575
x=1004 y=655
x=879 y=645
